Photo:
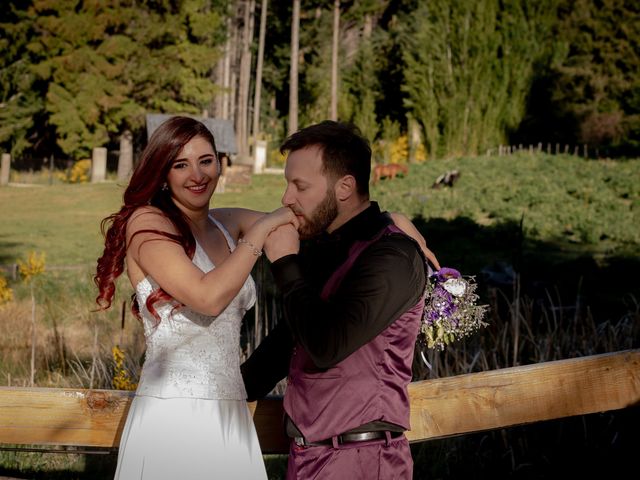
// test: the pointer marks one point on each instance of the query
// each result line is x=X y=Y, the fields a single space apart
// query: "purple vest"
x=368 y=385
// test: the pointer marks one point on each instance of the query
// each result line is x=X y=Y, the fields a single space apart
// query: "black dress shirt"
x=386 y=280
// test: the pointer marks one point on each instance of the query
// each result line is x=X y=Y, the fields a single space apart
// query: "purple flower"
x=445 y=273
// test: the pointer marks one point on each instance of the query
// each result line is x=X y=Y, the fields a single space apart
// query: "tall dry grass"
x=73 y=344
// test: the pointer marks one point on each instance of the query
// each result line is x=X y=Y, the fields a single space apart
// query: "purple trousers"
x=372 y=460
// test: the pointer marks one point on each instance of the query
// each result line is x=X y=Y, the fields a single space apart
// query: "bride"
x=190 y=267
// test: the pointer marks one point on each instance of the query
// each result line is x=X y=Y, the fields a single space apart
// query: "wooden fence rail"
x=439 y=408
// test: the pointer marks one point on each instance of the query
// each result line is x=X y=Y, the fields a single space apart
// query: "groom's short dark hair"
x=345 y=151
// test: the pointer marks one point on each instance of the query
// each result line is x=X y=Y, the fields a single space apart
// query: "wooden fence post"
x=51 y=168
x=260 y=160
x=125 y=160
x=99 y=165
x=5 y=169
x=224 y=166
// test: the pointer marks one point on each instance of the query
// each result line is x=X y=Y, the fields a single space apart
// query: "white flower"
x=455 y=286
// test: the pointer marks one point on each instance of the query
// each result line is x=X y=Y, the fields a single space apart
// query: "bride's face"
x=194 y=175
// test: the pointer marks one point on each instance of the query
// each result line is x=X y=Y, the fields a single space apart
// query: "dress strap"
x=227 y=235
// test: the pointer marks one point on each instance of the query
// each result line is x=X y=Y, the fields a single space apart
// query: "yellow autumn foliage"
x=6 y=294
x=32 y=267
x=121 y=378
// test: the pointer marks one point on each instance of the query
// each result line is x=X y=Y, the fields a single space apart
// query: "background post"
x=99 y=165
x=260 y=161
x=5 y=169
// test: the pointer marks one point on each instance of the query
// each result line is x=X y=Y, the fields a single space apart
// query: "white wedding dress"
x=189 y=419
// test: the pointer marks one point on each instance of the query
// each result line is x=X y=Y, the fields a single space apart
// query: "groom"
x=352 y=299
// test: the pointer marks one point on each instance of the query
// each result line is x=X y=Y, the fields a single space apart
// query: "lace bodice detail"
x=190 y=354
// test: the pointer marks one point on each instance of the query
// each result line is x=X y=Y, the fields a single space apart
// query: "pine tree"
x=469 y=67
x=20 y=100
x=595 y=76
x=102 y=65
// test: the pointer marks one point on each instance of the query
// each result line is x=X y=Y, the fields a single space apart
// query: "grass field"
x=568 y=202
x=63 y=220
x=564 y=228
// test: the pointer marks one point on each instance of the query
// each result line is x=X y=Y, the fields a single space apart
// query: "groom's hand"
x=283 y=241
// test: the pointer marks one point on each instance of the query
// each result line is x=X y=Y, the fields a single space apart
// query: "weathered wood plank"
x=439 y=408
x=62 y=416
x=519 y=395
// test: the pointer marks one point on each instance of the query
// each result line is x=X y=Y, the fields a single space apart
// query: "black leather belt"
x=346 y=438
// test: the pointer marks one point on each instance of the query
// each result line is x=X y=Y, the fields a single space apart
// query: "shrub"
x=79 y=173
x=6 y=294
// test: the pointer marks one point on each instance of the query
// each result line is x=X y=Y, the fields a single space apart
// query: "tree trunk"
x=293 y=73
x=258 y=90
x=334 y=61
x=414 y=139
x=368 y=27
x=245 y=77
x=234 y=67
x=226 y=76
x=218 y=78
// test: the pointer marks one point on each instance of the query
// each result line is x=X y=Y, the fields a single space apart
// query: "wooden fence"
x=55 y=418
x=501 y=150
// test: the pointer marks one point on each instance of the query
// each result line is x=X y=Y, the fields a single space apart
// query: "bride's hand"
x=280 y=216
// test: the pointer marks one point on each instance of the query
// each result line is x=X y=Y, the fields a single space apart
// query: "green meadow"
x=567 y=202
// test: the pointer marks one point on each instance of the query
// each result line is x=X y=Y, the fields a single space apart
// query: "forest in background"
x=430 y=79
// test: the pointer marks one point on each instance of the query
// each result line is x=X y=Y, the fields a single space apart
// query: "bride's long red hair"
x=145 y=188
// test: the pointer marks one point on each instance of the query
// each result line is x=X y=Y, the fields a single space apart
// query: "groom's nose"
x=287 y=197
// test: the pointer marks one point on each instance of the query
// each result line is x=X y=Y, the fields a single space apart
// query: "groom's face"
x=310 y=194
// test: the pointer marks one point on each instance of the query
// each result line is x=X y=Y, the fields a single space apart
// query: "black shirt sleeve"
x=268 y=364
x=387 y=279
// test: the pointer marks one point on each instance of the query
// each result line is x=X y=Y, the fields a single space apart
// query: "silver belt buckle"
x=299 y=441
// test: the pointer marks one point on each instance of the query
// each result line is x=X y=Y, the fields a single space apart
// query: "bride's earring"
x=164 y=187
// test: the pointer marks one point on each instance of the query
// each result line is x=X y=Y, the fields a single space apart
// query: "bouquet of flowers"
x=451 y=311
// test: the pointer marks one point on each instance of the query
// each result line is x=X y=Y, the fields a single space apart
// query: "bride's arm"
x=404 y=224
x=236 y=220
x=167 y=263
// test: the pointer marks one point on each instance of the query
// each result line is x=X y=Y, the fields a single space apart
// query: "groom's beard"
x=325 y=213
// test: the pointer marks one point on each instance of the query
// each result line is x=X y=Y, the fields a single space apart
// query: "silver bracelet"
x=257 y=252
